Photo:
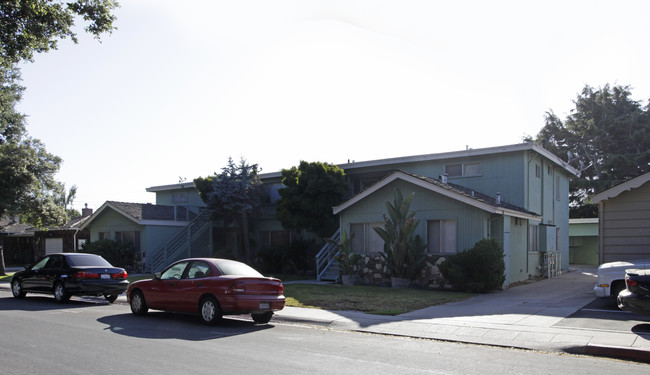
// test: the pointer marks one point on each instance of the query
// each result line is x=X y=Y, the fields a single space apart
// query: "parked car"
x=611 y=276
x=209 y=287
x=68 y=274
x=636 y=296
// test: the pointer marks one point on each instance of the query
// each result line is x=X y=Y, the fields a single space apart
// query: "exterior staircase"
x=327 y=268
x=180 y=246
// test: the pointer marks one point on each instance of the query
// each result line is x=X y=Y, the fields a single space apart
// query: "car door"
x=191 y=286
x=32 y=276
x=51 y=272
x=163 y=291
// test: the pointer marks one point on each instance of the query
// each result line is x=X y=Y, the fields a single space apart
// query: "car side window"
x=40 y=264
x=198 y=270
x=174 y=272
x=54 y=263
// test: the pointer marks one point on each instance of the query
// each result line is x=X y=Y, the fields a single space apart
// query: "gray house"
x=624 y=221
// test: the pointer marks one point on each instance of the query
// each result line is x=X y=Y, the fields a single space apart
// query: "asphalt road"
x=91 y=336
x=602 y=313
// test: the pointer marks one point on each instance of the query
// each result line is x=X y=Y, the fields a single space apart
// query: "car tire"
x=209 y=310
x=138 y=304
x=616 y=289
x=17 y=288
x=111 y=297
x=60 y=294
x=262 y=318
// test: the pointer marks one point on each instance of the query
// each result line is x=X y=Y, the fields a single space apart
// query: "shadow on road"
x=163 y=325
x=46 y=303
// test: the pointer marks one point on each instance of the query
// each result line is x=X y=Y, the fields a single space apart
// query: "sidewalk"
x=522 y=317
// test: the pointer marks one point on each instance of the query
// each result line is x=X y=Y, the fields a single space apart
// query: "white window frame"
x=465 y=169
x=447 y=242
x=364 y=239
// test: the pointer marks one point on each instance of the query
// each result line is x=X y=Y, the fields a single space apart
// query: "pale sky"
x=182 y=86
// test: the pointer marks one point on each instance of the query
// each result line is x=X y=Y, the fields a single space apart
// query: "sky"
x=180 y=87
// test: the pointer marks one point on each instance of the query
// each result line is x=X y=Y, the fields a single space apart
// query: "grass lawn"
x=368 y=299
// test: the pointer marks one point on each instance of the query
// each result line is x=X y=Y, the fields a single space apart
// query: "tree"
x=232 y=196
x=310 y=192
x=29 y=26
x=27 y=170
x=606 y=137
x=404 y=252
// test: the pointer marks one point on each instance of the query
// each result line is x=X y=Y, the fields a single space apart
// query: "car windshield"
x=87 y=260
x=236 y=268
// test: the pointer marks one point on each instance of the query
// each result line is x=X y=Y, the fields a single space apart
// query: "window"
x=441 y=236
x=198 y=270
x=103 y=236
x=533 y=238
x=463 y=169
x=549 y=170
x=364 y=239
x=538 y=171
x=179 y=197
x=175 y=272
x=131 y=237
x=557 y=188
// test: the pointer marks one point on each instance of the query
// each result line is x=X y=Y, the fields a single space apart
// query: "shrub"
x=117 y=253
x=476 y=270
x=299 y=256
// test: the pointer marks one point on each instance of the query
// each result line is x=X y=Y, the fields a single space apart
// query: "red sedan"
x=208 y=287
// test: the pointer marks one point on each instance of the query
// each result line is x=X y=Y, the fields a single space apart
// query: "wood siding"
x=625 y=226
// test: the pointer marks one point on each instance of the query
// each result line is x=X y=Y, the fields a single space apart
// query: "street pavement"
x=525 y=317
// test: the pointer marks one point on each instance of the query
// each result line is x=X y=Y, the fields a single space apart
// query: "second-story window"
x=179 y=197
x=463 y=169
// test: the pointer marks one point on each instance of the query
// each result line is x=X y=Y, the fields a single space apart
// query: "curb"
x=618 y=352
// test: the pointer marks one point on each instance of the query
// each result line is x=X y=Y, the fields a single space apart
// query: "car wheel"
x=262 y=318
x=210 y=310
x=60 y=295
x=111 y=298
x=17 y=288
x=616 y=289
x=138 y=304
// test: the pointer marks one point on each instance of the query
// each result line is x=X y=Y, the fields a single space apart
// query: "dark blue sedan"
x=68 y=274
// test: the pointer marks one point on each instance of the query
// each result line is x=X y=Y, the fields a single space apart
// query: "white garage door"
x=53 y=245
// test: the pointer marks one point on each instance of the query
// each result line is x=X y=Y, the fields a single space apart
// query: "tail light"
x=237 y=288
x=280 y=289
x=121 y=275
x=630 y=282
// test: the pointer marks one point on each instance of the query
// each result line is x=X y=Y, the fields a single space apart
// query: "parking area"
x=602 y=313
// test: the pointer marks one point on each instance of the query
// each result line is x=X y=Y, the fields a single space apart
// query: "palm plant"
x=403 y=252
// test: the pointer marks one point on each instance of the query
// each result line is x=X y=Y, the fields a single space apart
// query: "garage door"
x=53 y=245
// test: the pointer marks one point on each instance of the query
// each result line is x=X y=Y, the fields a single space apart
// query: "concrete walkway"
x=520 y=317
x=523 y=317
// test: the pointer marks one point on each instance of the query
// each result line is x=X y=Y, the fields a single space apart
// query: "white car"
x=611 y=276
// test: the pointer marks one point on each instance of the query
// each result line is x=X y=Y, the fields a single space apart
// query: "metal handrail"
x=327 y=255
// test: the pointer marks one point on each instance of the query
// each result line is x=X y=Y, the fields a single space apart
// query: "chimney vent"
x=498 y=198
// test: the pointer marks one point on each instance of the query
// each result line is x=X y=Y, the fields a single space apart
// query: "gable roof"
x=453 y=191
x=527 y=146
x=615 y=191
x=139 y=213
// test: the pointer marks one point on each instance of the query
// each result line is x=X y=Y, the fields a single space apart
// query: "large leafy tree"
x=310 y=192
x=27 y=170
x=232 y=196
x=606 y=137
x=29 y=26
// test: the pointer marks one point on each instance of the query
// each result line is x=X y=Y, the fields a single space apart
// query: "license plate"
x=105 y=276
x=264 y=306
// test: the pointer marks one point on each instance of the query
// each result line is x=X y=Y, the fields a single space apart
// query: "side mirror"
x=157 y=275
x=27 y=266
